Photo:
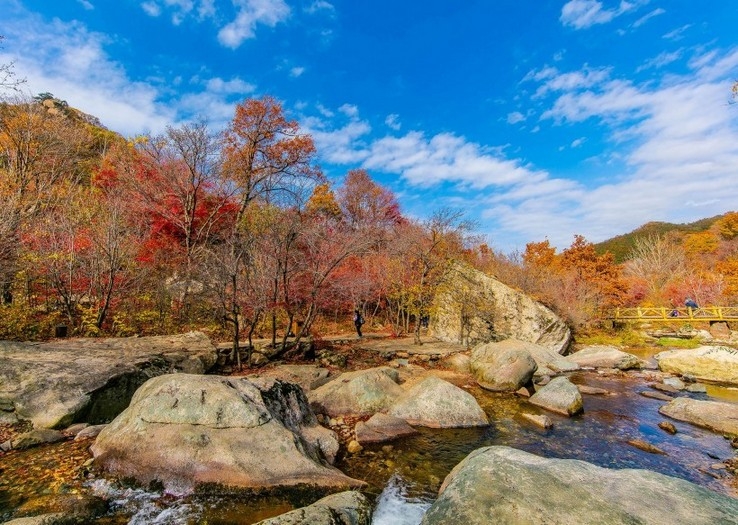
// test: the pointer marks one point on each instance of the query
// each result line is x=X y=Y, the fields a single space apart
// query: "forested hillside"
x=239 y=233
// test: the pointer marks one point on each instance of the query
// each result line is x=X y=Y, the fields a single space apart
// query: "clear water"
x=404 y=477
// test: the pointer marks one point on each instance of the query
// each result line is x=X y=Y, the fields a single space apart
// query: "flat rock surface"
x=604 y=356
x=505 y=485
x=56 y=383
x=717 y=364
x=713 y=415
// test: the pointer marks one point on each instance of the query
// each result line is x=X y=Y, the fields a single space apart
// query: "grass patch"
x=622 y=337
x=676 y=342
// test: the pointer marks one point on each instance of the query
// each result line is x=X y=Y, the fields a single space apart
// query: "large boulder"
x=186 y=431
x=561 y=396
x=604 y=356
x=344 y=508
x=717 y=364
x=713 y=415
x=436 y=403
x=501 y=367
x=61 y=382
x=360 y=393
x=473 y=308
x=505 y=485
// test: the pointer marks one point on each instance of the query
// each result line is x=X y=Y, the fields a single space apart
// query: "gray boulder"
x=61 y=382
x=436 y=403
x=344 y=508
x=502 y=367
x=494 y=312
x=713 y=415
x=505 y=485
x=604 y=356
x=717 y=364
x=187 y=431
x=360 y=393
x=381 y=428
x=561 y=396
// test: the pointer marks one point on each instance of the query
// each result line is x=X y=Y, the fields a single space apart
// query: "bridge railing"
x=662 y=313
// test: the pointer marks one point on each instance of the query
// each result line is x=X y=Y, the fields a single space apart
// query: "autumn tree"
x=593 y=282
x=422 y=256
x=266 y=160
x=655 y=261
x=38 y=153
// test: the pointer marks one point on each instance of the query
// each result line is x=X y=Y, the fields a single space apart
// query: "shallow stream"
x=404 y=476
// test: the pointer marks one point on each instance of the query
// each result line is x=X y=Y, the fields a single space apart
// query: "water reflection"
x=599 y=436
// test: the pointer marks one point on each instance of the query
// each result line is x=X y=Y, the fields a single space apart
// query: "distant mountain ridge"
x=622 y=245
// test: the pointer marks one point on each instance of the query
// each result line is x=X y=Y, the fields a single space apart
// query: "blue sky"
x=541 y=119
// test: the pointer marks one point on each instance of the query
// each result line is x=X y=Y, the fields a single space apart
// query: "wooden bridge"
x=710 y=314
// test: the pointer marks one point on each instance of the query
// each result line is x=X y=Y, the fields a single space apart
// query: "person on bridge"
x=689 y=303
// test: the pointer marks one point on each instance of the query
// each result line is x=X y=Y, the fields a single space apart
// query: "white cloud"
x=86 y=4
x=71 y=61
x=645 y=18
x=350 y=110
x=578 y=142
x=678 y=33
x=297 y=71
x=663 y=59
x=515 y=117
x=151 y=8
x=233 y=86
x=680 y=146
x=319 y=5
x=581 y=14
x=393 y=122
x=251 y=13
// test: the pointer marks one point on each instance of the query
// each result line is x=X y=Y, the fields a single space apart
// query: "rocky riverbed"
x=619 y=428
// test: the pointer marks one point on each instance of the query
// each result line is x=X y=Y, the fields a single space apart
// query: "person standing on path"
x=358 y=321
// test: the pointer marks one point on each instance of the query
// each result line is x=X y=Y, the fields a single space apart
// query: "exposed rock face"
x=559 y=395
x=603 y=356
x=501 y=367
x=61 y=382
x=436 y=403
x=713 y=415
x=189 y=430
x=475 y=308
x=360 y=393
x=344 y=508
x=504 y=485
x=717 y=364
x=381 y=428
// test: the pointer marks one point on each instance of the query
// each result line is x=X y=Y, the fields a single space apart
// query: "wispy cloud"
x=515 y=117
x=86 y=4
x=71 y=61
x=393 y=122
x=581 y=14
x=661 y=60
x=251 y=13
x=319 y=5
x=645 y=18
